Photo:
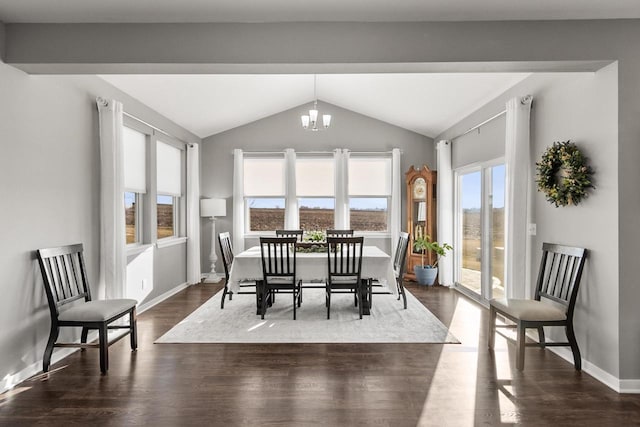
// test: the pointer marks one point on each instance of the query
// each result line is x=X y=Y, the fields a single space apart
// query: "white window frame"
x=141 y=198
x=247 y=222
x=328 y=157
x=179 y=206
x=484 y=167
x=371 y=233
x=138 y=218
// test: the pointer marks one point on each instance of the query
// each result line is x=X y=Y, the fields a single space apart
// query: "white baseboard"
x=611 y=381
x=157 y=300
x=10 y=381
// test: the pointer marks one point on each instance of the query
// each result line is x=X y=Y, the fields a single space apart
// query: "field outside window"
x=265 y=214
x=166 y=216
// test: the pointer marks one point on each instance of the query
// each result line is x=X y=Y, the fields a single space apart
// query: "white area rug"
x=238 y=322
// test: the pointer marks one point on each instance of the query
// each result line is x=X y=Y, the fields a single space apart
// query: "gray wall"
x=50 y=184
x=348 y=130
x=583 y=108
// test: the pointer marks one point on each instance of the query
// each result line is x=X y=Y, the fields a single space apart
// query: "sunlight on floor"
x=461 y=387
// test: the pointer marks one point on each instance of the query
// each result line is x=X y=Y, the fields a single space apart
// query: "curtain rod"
x=490 y=119
x=157 y=129
x=524 y=101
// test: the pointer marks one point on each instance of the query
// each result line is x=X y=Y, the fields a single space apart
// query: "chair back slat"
x=339 y=233
x=226 y=249
x=400 y=256
x=344 y=257
x=278 y=257
x=290 y=233
x=64 y=275
x=560 y=272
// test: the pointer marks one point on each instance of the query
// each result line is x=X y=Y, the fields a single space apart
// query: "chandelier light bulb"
x=326 y=120
x=305 y=121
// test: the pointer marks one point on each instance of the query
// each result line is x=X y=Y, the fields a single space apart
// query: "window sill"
x=136 y=249
x=170 y=241
x=373 y=234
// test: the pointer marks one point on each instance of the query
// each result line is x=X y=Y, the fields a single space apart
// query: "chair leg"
x=133 y=329
x=293 y=293
x=299 y=294
x=265 y=296
x=359 y=292
x=46 y=360
x=402 y=293
x=520 y=341
x=355 y=298
x=104 y=348
x=224 y=294
x=491 y=334
x=83 y=337
x=577 y=360
x=370 y=290
x=541 y=339
x=328 y=303
x=230 y=293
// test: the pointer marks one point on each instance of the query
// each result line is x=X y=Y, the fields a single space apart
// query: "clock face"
x=419 y=188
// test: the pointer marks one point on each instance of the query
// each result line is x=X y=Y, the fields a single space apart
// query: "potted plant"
x=425 y=273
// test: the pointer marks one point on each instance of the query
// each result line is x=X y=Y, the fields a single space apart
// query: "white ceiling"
x=208 y=104
x=310 y=10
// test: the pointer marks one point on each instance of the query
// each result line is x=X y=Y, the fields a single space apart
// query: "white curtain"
x=445 y=209
x=396 y=197
x=341 y=158
x=238 y=200
x=193 y=214
x=518 y=185
x=291 y=221
x=113 y=261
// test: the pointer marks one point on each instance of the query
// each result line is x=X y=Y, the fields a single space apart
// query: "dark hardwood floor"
x=317 y=384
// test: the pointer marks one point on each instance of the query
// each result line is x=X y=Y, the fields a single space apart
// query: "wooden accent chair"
x=558 y=281
x=226 y=249
x=65 y=281
x=278 y=271
x=290 y=233
x=344 y=260
x=339 y=233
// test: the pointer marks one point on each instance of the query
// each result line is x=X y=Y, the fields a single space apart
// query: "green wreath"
x=563 y=174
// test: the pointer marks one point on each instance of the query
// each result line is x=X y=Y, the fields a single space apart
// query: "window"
x=264 y=193
x=315 y=188
x=369 y=193
x=135 y=184
x=169 y=189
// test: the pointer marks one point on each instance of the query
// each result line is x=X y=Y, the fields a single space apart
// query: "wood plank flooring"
x=317 y=384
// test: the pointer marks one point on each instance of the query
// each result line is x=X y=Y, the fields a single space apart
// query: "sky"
x=471 y=184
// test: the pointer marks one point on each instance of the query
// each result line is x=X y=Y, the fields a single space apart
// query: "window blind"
x=135 y=155
x=369 y=176
x=169 y=172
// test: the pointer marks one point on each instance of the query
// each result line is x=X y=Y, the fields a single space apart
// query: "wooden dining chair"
x=399 y=262
x=344 y=275
x=291 y=233
x=339 y=233
x=226 y=249
x=553 y=305
x=70 y=304
x=278 y=271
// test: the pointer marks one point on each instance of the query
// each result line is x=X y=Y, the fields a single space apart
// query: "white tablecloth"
x=313 y=266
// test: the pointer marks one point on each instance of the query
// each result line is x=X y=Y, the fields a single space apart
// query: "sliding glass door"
x=480 y=230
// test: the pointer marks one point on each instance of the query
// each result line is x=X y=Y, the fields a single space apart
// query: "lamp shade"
x=213 y=207
x=422 y=211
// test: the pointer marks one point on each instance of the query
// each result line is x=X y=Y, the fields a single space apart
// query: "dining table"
x=312 y=268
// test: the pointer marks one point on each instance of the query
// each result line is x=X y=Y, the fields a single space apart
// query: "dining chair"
x=399 y=262
x=290 y=233
x=339 y=233
x=344 y=261
x=70 y=304
x=279 y=271
x=226 y=249
x=553 y=304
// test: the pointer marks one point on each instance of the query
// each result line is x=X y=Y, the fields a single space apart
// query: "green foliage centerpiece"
x=313 y=241
x=425 y=273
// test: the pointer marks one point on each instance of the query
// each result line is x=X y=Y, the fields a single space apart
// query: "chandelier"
x=310 y=121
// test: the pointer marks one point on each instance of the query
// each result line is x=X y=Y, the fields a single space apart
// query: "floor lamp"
x=212 y=208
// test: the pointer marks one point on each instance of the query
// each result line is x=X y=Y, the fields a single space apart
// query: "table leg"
x=365 y=294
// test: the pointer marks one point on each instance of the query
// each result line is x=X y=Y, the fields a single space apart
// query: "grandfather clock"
x=421 y=213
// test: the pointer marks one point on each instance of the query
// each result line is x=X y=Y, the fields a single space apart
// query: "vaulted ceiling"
x=208 y=104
